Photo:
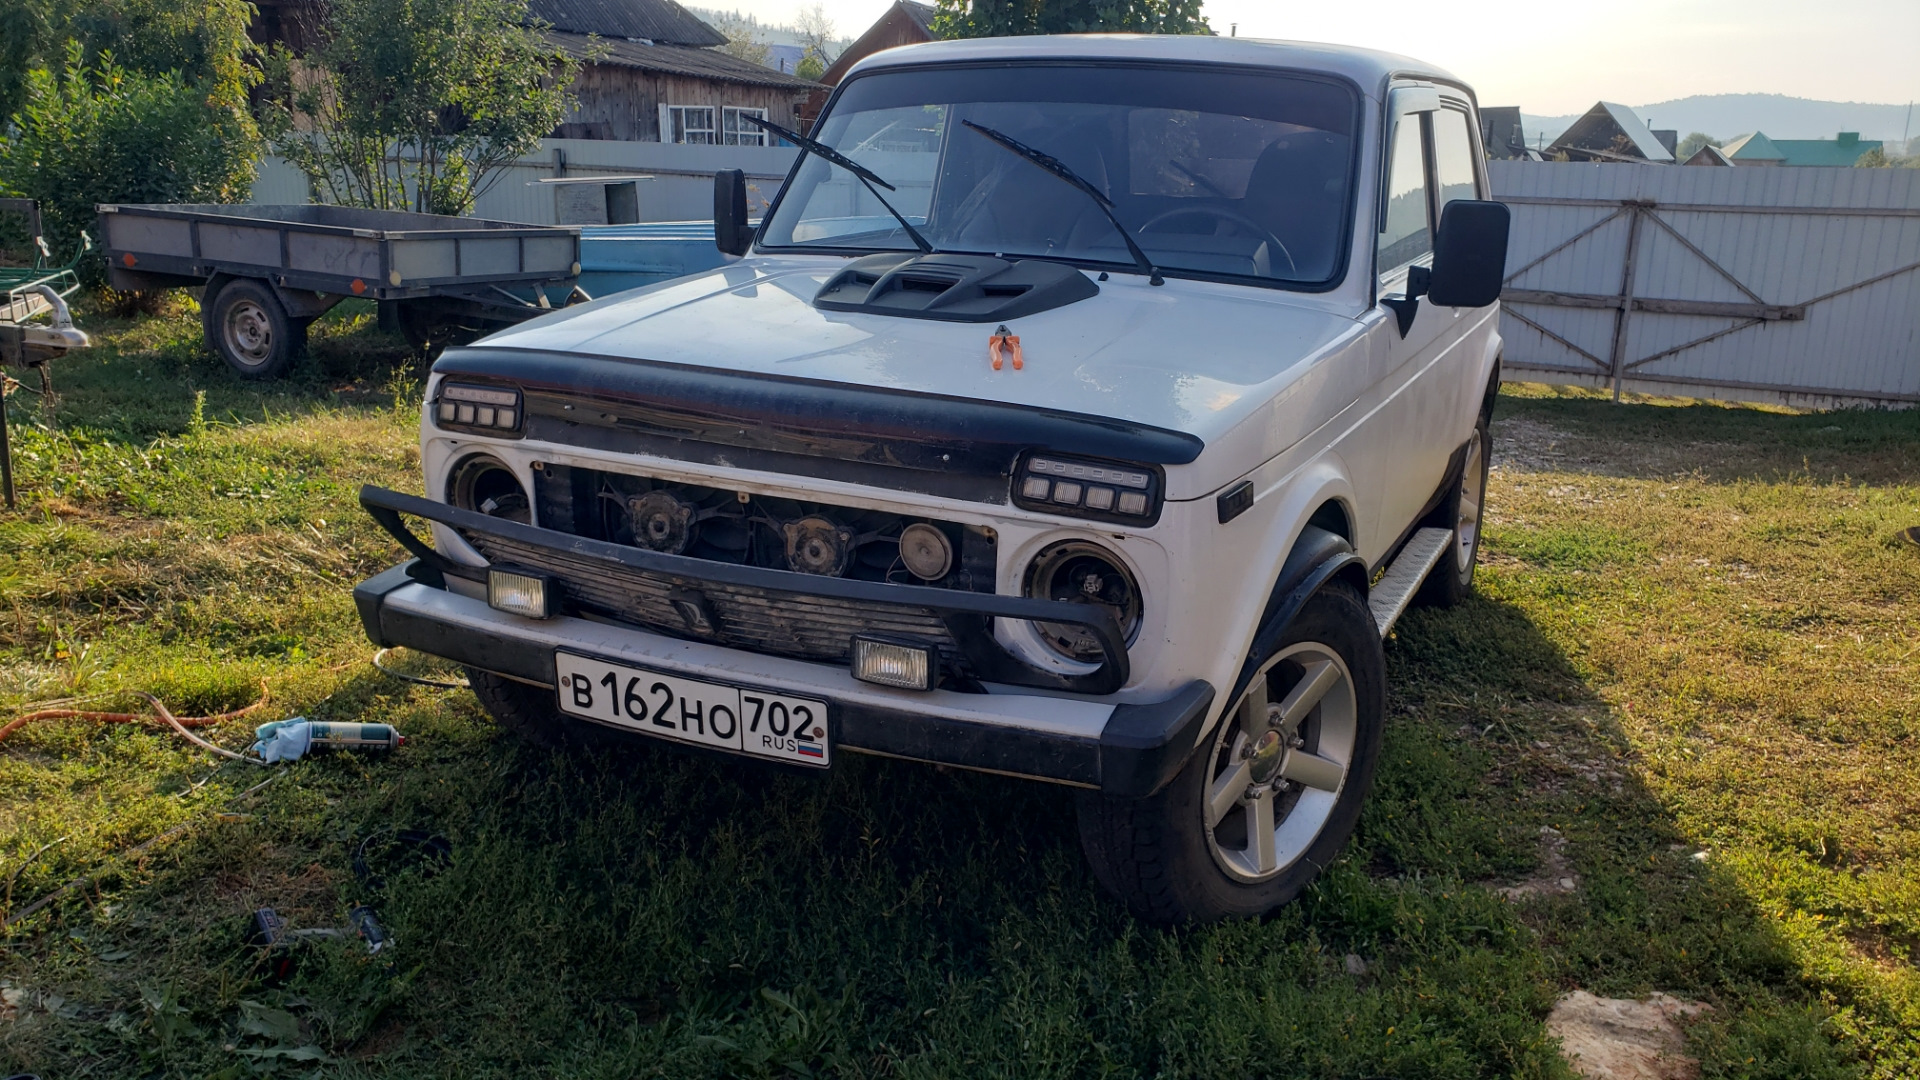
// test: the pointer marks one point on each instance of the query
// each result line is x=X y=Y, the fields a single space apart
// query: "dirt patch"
x=1556 y=876
x=1622 y=1039
x=1524 y=445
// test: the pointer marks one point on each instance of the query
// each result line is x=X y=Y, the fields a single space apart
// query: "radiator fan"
x=679 y=519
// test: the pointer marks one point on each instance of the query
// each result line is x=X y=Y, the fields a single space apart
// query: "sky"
x=1553 y=56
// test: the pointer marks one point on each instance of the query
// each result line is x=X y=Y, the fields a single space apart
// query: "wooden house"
x=1609 y=132
x=651 y=71
x=905 y=23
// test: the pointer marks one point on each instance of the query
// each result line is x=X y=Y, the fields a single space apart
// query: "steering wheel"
x=1228 y=217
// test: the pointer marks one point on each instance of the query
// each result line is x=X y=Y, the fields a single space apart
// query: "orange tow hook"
x=1004 y=339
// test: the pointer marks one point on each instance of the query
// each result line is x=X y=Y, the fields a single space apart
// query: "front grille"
x=762 y=620
x=722 y=526
x=749 y=530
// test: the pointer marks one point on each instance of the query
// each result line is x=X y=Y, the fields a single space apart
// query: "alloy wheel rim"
x=1279 y=762
x=1473 y=482
x=249 y=333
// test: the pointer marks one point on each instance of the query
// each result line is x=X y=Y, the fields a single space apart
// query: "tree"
x=205 y=41
x=743 y=37
x=416 y=104
x=1694 y=143
x=818 y=50
x=96 y=132
x=1000 y=18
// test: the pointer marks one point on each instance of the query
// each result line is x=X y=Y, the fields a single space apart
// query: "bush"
x=205 y=40
x=416 y=104
x=96 y=132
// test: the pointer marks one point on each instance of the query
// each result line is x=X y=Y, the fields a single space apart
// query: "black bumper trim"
x=1140 y=749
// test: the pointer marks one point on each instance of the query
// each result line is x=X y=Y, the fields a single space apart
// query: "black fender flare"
x=1145 y=747
x=1318 y=556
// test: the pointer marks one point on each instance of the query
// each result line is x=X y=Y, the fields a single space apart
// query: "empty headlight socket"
x=1089 y=488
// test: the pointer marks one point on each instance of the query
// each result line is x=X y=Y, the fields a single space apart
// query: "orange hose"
x=129 y=718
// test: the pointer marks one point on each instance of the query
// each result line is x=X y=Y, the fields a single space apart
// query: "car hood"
x=1188 y=356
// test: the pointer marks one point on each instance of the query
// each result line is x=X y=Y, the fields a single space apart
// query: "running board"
x=1395 y=589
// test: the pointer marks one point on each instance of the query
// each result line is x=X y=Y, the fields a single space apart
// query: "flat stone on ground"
x=1623 y=1039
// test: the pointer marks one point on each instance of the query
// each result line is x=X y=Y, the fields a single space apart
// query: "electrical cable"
x=437 y=684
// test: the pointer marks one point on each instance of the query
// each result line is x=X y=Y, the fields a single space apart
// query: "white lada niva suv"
x=1083 y=409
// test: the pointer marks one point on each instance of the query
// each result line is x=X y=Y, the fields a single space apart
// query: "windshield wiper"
x=1059 y=168
x=861 y=172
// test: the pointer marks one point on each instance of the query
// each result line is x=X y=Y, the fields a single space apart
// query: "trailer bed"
x=269 y=270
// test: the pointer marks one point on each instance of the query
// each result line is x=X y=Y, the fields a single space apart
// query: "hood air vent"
x=953 y=288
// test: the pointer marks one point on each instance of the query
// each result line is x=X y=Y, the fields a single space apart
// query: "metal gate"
x=1795 y=285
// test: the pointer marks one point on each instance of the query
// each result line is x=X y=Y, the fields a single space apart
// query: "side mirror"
x=1469 y=254
x=731 y=233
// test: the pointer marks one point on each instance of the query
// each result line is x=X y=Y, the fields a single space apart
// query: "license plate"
x=757 y=722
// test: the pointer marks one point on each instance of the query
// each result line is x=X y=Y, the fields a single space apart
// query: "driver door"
x=1420 y=363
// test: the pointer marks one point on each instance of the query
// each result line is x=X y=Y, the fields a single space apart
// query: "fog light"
x=520 y=592
x=892 y=663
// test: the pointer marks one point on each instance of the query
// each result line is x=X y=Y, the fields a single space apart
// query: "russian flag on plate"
x=812 y=750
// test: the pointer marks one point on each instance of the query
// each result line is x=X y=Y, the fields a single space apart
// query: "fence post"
x=1617 y=357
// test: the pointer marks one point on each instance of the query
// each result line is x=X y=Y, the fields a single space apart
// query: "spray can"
x=289 y=740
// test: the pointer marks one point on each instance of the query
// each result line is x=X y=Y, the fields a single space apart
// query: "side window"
x=1404 y=236
x=1453 y=157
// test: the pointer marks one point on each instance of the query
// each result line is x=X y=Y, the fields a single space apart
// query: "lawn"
x=1688 y=688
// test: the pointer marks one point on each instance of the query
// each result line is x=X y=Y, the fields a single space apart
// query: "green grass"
x=1694 y=633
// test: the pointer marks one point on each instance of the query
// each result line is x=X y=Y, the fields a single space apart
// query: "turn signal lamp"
x=1079 y=487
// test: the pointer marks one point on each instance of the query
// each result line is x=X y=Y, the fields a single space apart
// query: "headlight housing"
x=484 y=484
x=1081 y=572
x=1088 y=488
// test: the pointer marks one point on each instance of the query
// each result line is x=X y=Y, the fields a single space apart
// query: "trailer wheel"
x=249 y=329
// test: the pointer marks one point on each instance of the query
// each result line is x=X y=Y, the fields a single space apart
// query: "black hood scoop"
x=953 y=288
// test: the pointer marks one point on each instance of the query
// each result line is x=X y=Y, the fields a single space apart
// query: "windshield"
x=1217 y=172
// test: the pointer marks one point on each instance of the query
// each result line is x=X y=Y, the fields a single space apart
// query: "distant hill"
x=1724 y=116
x=765 y=33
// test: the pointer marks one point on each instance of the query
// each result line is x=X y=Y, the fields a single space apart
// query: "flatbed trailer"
x=269 y=271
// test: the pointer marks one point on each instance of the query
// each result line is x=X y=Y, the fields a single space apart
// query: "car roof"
x=1367 y=67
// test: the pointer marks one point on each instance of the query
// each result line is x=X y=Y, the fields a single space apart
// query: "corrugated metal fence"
x=1754 y=284
x=680 y=188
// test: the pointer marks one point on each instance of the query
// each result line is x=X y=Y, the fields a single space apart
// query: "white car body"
x=1315 y=398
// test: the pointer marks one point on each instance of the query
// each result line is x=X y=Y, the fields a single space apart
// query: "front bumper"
x=1121 y=749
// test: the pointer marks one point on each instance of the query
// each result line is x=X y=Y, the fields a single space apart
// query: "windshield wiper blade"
x=861 y=172
x=1060 y=169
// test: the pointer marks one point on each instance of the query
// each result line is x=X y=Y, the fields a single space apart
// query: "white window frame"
x=674 y=127
x=741 y=134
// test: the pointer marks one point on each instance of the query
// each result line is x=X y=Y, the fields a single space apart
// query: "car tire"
x=1191 y=853
x=1462 y=512
x=246 y=326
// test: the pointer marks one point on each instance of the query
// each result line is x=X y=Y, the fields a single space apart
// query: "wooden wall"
x=624 y=103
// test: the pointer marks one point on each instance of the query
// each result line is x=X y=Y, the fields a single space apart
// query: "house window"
x=735 y=132
x=689 y=124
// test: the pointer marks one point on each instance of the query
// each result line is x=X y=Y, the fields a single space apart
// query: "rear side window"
x=1403 y=231
x=1453 y=157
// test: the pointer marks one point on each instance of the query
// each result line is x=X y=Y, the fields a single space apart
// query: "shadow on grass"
x=640 y=910
x=142 y=378
x=1715 y=442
